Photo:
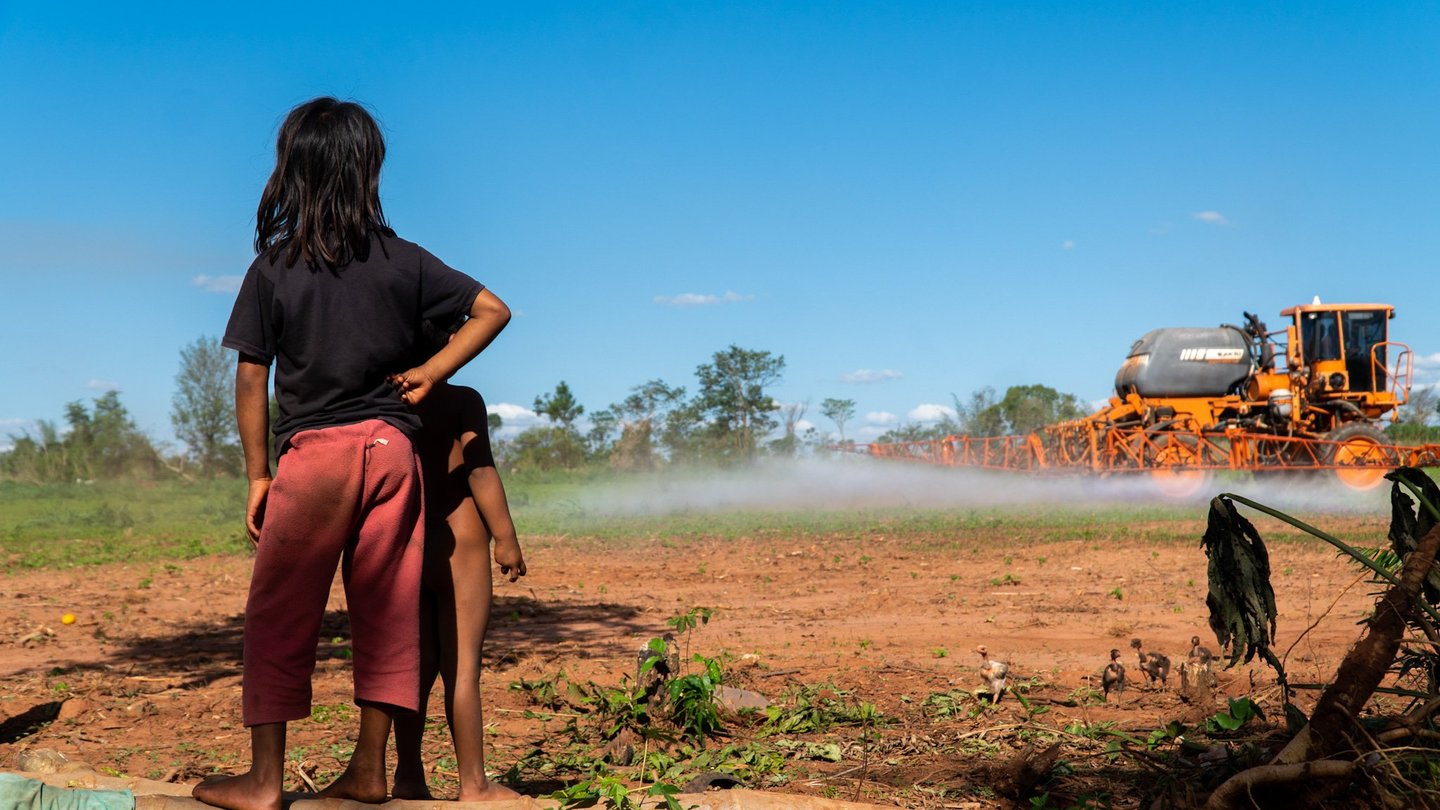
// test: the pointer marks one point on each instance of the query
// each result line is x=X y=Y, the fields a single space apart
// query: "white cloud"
x=218 y=284
x=881 y=418
x=929 y=412
x=1211 y=217
x=514 y=419
x=102 y=385
x=870 y=375
x=514 y=413
x=1427 y=369
x=1068 y=244
x=702 y=299
x=868 y=432
x=804 y=425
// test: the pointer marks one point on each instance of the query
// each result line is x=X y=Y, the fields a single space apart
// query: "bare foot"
x=357 y=785
x=410 y=786
x=243 y=792
x=487 y=792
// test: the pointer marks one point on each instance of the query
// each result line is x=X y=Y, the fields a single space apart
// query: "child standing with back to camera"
x=465 y=508
x=334 y=299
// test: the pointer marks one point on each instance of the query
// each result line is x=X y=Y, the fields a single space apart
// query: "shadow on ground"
x=195 y=656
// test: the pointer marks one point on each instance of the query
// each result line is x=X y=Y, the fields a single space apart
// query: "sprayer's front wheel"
x=1172 y=463
x=1361 y=465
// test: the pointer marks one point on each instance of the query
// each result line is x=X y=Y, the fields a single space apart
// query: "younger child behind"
x=464 y=508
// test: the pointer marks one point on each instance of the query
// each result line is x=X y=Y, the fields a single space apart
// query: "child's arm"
x=252 y=416
x=486 y=488
x=488 y=315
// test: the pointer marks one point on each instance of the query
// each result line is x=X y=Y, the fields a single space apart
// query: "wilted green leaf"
x=1241 y=601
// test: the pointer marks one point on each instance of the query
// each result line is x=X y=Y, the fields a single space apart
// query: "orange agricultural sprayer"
x=1190 y=401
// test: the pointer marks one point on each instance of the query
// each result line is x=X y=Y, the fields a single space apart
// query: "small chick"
x=992 y=673
x=1197 y=665
x=1156 y=666
x=1113 y=678
x=1199 y=656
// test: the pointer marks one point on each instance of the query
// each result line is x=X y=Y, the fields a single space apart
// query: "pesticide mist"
x=849 y=483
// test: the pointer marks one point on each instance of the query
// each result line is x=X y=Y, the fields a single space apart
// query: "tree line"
x=730 y=417
x=101 y=441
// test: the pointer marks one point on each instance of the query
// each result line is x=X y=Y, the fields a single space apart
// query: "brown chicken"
x=1156 y=666
x=1113 y=678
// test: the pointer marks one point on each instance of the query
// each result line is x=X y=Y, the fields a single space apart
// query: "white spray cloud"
x=218 y=284
x=871 y=375
x=846 y=483
x=702 y=299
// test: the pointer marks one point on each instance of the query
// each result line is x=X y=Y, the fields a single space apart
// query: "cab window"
x=1364 y=329
x=1320 y=336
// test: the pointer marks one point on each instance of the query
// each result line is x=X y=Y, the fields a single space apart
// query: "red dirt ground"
x=147 y=680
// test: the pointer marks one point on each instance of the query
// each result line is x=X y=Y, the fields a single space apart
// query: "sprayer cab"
x=1341 y=360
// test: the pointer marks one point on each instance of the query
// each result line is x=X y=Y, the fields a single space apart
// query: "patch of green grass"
x=66 y=525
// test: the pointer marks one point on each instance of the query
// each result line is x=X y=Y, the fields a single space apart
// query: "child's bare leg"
x=410 y=728
x=260 y=788
x=364 y=778
x=470 y=573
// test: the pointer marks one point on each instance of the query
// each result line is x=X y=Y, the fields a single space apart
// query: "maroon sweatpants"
x=350 y=493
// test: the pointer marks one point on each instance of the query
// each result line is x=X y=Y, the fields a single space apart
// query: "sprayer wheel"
x=1171 y=472
x=1359 y=465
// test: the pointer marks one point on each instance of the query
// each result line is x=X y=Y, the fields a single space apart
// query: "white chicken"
x=992 y=673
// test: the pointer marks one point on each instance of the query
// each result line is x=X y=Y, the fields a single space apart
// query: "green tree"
x=203 y=408
x=979 y=416
x=545 y=447
x=791 y=414
x=1421 y=406
x=603 y=424
x=1027 y=408
x=732 y=397
x=102 y=441
x=37 y=458
x=105 y=443
x=916 y=432
x=557 y=445
x=642 y=417
x=838 y=411
x=560 y=407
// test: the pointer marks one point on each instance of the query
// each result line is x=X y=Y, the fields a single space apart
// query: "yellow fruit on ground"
x=68 y=618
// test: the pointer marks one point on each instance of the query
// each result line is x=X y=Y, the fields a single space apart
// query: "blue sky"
x=906 y=200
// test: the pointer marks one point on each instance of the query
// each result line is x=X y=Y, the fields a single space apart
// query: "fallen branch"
x=1238 y=791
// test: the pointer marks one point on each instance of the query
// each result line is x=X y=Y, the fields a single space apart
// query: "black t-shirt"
x=335 y=335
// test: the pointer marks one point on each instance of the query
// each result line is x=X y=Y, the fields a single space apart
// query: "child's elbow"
x=489 y=307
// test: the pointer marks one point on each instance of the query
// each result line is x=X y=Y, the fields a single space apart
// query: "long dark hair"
x=323 y=199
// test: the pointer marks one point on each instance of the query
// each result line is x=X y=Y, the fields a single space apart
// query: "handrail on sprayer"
x=1402 y=373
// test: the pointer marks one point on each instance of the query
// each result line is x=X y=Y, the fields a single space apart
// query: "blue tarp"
x=22 y=793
